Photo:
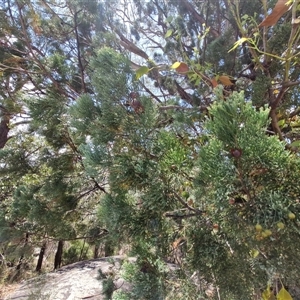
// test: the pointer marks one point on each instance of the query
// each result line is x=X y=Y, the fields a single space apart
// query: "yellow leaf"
x=238 y=43
x=175 y=65
x=254 y=253
x=281 y=7
x=180 y=67
x=284 y=295
x=169 y=33
x=268 y=294
x=141 y=71
x=225 y=80
x=281 y=123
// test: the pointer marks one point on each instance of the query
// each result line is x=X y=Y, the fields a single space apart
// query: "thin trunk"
x=4 y=129
x=108 y=249
x=81 y=252
x=41 y=257
x=96 y=251
x=22 y=256
x=58 y=255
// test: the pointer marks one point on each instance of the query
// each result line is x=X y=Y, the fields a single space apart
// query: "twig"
x=185 y=204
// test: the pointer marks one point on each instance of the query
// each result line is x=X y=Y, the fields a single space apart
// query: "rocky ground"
x=73 y=282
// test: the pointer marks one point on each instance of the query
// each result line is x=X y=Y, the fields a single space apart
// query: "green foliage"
x=193 y=176
x=240 y=189
x=120 y=295
x=79 y=250
x=260 y=86
x=108 y=286
x=147 y=282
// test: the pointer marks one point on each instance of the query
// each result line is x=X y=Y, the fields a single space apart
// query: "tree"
x=45 y=50
x=177 y=121
x=157 y=191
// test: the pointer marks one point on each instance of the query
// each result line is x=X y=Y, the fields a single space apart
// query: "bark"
x=4 y=129
x=183 y=94
x=96 y=251
x=198 y=17
x=108 y=249
x=41 y=257
x=58 y=255
x=128 y=45
x=22 y=256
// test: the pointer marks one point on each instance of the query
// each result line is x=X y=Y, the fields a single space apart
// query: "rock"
x=73 y=282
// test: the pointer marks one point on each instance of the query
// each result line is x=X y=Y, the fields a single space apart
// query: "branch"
x=279 y=97
x=149 y=92
x=201 y=108
x=70 y=142
x=134 y=66
x=131 y=46
x=274 y=103
x=100 y=235
x=183 y=94
x=183 y=216
x=79 y=53
x=288 y=84
x=185 y=204
x=31 y=50
x=274 y=122
x=294 y=113
x=199 y=18
x=174 y=107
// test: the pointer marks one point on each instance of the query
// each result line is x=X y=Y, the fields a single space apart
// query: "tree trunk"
x=58 y=255
x=4 y=129
x=96 y=251
x=108 y=249
x=81 y=252
x=41 y=257
x=22 y=256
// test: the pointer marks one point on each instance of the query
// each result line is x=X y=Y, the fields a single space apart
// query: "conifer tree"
x=188 y=152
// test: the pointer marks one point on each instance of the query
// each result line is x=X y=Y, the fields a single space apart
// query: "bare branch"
x=185 y=204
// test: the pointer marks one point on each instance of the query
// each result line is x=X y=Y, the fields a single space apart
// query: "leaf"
x=175 y=65
x=238 y=43
x=169 y=33
x=214 y=82
x=254 y=253
x=225 y=80
x=180 y=67
x=141 y=71
x=295 y=143
x=268 y=294
x=183 y=68
x=284 y=295
x=281 y=123
x=281 y=7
